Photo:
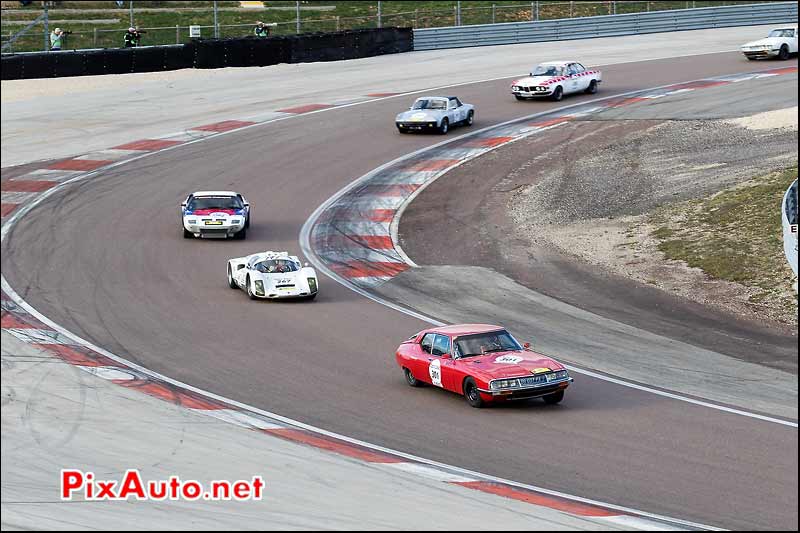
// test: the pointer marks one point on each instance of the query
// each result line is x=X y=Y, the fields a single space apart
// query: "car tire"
x=558 y=94
x=470 y=120
x=592 y=88
x=410 y=379
x=241 y=234
x=552 y=399
x=472 y=394
x=518 y=97
x=247 y=221
x=249 y=290
x=187 y=234
x=784 y=53
x=312 y=296
x=445 y=126
x=231 y=282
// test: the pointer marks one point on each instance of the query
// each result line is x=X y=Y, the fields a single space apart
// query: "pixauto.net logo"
x=76 y=484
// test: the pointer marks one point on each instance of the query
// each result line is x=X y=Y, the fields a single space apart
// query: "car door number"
x=435 y=372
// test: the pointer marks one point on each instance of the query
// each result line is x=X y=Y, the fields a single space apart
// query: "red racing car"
x=482 y=362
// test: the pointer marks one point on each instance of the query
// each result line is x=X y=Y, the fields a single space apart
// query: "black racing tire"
x=231 y=282
x=783 y=55
x=249 y=290
x=445 y=126
x=410 y=379
x=592 y=88
x=312 y=296
x=187 y=234
x=558 y=94
x=241 y=234
x=518 y=97
x=247 y=221
x=470 y=120
x=552 y=399
x=472 y=394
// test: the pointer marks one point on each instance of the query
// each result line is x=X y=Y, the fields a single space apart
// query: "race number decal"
x=509 y=359
x=435 y=371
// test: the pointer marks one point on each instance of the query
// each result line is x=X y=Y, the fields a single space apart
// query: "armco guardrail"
x=209 y=53
x=605 y=26
x=789 y=212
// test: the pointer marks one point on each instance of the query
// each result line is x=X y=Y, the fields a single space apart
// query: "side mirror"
x=527 y=346
x=246 y=204
x=183 y=204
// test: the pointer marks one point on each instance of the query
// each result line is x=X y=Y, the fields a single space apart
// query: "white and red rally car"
x=554 y=79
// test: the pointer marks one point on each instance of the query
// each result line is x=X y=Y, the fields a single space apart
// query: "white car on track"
x=555 y=79
x=272 y=275
x=781 y=42
x=215 y=214
x=435 y=113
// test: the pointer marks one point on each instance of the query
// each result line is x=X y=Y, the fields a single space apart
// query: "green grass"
x=347 y=14
x=735 y=235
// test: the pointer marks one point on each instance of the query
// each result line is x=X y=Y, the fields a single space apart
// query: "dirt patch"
x=648 y=207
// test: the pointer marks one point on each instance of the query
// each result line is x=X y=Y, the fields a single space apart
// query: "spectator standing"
x=56 y=40
x=261 y=30
x=132 y=37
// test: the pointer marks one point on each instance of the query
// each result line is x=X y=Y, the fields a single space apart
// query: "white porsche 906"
x=272 y=275
x=215 y=214
x=781 y=42
x=435 y=113
x=555 y=79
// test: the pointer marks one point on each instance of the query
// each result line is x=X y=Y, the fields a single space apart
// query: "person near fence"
x=132 y=37
x=261 y=30
x=56 y=39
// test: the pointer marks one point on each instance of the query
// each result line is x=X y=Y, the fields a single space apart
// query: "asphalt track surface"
x=106 y=260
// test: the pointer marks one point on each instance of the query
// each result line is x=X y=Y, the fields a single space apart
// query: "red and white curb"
x=354 y=234
x=357 y=236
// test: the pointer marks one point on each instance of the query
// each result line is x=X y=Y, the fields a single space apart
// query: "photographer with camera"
x=132 y=37
x=57 y=37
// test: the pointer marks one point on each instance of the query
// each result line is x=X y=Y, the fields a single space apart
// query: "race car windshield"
x=546 y=70
x=430 y=104
x=782 y=33
x=276 y=266
x=215 y=202
x=483 y=343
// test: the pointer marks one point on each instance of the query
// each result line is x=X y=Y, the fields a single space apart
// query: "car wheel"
x=445 y=127
x=241 y=234
x=250 y=290
x=231 y=282
x=187 y=234
x=592 y=88
x=558 y=94
x=247 y=221
x=518 y=97
x=784 y=53
x=552 y=399
x=470 y=118
x=472 y=394
x=410 y=379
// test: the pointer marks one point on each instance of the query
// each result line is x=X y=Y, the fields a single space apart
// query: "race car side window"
x=441 y=345
x=579 y=68
x=427 y=342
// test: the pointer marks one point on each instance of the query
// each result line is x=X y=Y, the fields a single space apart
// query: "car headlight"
x=504 y=384
x=562 y=374
x=259 y=287
x=236 y=221
x=312 y=284
x=191 y=221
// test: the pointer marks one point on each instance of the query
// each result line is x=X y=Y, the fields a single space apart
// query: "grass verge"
x=734 y=235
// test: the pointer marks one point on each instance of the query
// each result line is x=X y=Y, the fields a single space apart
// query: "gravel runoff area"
x=600 y=207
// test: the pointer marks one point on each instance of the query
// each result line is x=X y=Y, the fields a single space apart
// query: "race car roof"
x=467 y=329
x=214 y=193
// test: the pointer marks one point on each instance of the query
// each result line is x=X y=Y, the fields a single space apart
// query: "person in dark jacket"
x=261 y=30
x=132 y=37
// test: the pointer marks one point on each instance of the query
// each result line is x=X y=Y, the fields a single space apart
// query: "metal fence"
x=456 y=15
x=605 y=26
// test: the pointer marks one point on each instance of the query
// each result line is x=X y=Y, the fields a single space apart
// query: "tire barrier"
x=210 y=53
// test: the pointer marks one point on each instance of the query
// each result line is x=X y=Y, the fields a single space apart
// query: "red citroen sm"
x=482 y=362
